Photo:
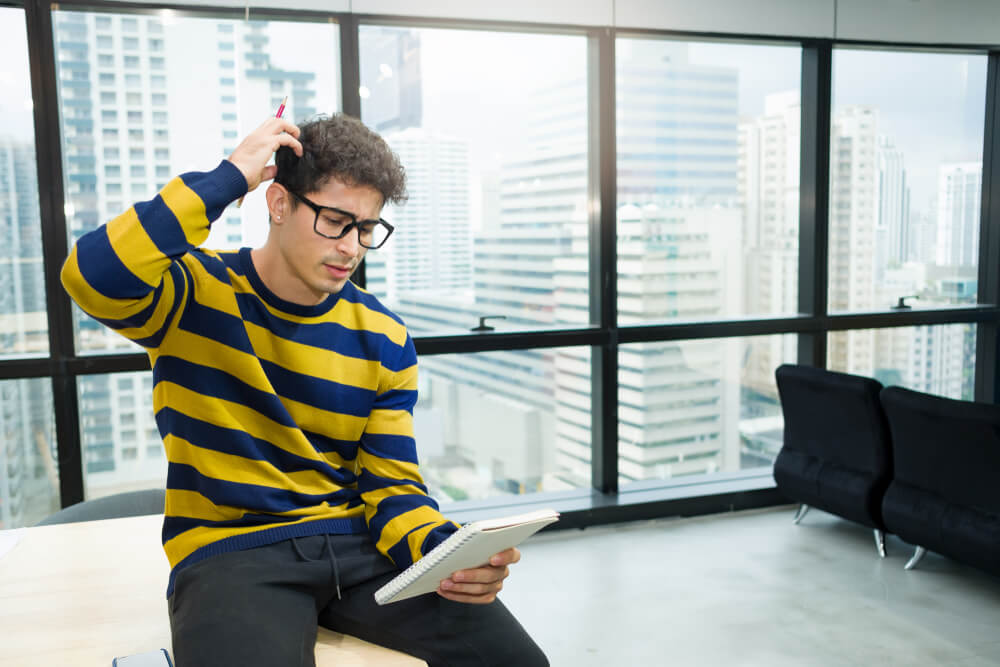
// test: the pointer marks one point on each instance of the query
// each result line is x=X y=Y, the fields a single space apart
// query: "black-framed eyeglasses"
x=335 y=223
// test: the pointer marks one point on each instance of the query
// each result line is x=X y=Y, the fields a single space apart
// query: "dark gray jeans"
x=262 y=607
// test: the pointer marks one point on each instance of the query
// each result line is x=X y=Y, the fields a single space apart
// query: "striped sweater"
x=278 y=420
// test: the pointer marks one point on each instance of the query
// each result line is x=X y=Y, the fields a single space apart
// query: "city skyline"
x=708 y=220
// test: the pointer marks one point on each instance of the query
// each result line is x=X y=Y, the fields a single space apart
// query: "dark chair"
x=131 y=503
x=944 y=495
x=836 y=454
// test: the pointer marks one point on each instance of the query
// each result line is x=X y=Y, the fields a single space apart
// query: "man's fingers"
x=269 y=172
x=287 y=140
x=288 y=126
x=480 y=575
x=507 y=557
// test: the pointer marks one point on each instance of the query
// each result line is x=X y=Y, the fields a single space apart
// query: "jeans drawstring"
x=327 y=548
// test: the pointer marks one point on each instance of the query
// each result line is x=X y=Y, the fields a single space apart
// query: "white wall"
x=972 y=22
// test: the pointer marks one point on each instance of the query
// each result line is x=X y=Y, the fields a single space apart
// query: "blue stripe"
x=386 y=446
x=218 y=188
x=214 y=267
x=215 y=324
x=397 y=399
x=346 y=449
x=101 y=267
x=392 y=506
x=437 y=536
x=400 y=552
x=324 y=394
x=219 y=384
x=332 y=336
x=162 y=227
x=233 y=262
x=180 y=285
x=138 y=319
x=175 y=525
x=241 y=443
x=250 y=497
x=351 y=293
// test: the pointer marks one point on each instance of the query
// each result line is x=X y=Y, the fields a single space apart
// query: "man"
x=284 y=396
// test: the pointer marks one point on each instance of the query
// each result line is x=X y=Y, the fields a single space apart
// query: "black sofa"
x=944 y=494
x=836 y=454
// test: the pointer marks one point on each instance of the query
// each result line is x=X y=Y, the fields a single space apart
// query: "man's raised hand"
x=254 y=152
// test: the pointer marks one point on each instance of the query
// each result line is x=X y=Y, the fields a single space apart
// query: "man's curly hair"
x=341 y=147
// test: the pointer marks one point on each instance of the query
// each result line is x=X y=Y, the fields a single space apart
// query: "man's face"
x=319 y=266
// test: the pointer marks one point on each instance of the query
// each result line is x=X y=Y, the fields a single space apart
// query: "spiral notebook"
x=470 y=546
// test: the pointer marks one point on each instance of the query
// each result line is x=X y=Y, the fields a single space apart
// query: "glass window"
x=699 y=407
x=936 y=359
x=498 y=423
x=497 y=220
x=179 y=51
x=109 y=421
x=906 y=169
x=23 y=318
x=708 y=161
x=29 y=476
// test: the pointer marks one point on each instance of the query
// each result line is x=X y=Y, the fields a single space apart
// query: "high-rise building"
x=129 y=124
x=431 y=248
x=893 y=225
x=392 y=94
x=853 y=215
x=769 y=190
x=23 y=318
x=960 y=188
x=29 y=483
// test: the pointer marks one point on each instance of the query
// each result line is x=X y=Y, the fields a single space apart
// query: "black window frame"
x=603 y=502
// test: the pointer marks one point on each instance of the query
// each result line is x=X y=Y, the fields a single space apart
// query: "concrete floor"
x=749 y=588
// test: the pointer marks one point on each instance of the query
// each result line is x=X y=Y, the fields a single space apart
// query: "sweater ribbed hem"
x=260 y=538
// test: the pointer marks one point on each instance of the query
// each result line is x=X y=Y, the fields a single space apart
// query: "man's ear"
x=278 y=202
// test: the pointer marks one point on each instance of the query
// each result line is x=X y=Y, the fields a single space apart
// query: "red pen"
x=281 y=110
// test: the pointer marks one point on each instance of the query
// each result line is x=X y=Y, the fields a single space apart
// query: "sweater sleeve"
x=125 y=273
x=403 y=520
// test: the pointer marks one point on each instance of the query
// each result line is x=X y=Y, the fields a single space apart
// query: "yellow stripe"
x=93 y=302
x=189 y=541
x=390 y=422
x=404 y=379
x=159 y=316
x=399 y=525
x=361 y=318
x=314 y=361
x=188 y=208
x=181 y=502
x=325 y=422
x=227 y=414
x=416 y=538
x=390 y=469
x=193 y=505
x=211 y=292
x=213 y=354
x=233 y=468
x=136 y=250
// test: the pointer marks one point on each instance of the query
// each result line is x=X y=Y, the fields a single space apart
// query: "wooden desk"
x=82 y=593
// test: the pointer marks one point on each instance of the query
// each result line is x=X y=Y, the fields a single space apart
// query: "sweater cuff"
x=232 y=182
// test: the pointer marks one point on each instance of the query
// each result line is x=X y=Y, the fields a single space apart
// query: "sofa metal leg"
x=880 y=542
x=803 y=508
x=917 y=555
